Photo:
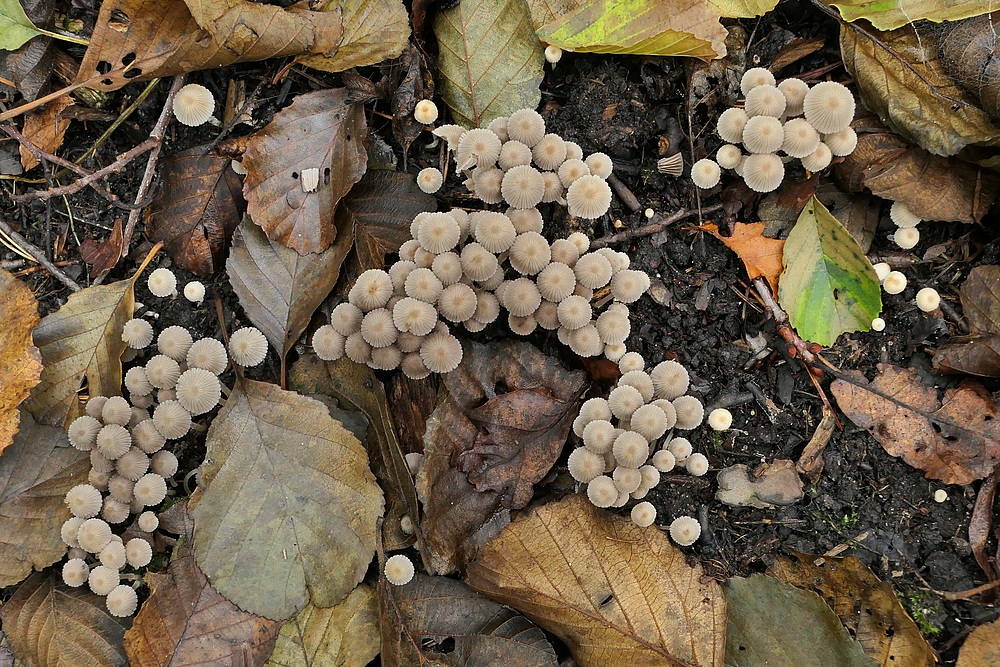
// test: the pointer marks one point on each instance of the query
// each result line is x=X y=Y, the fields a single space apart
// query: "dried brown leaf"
x=374 y=30
x=20 y=361
x=29 y=67
x=200 y=207
x=978 y=354
x=859 y=212
x=968 y=56
x=415 y=83
x=421 y=616
x=868 y=607
x=982 y=648
x=45 y=128
x=36 y=471
x=49 y=623
x=760 y=255
x=769 y=485
x=955 y=438
x=613 y=592
x=411 y=403
x=103 y=255
x=498 y=433
x=320 y=130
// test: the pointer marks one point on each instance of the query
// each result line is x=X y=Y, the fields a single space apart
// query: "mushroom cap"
x=584 y=465
x=122 y=601
x=457 y=302
x=624 y=400
x=588 y=197
x=763 y=134
x=439 y=232
x=600 y=165
x=447 y=266
x=198 y=390
x=554 y=189
x=162 y=282
x=585 y=341
x=116 y=410
x=928 y=299
x=397 y=273
x=522 y=326
x=878 y=324
x=626 y=479
x=420 y=284
x=346 y=317
x=75 y=572
x=487 y=307
x=101 y=464
x=902 y=216
x=487 y=183
x=450 y=133
x=526 y=220
x=247 y=347
x=148 y=522
x=327 y=343
x=649 y=421
x=83 y=432
x=670 y=379
x=705 y=173
x=378 y=328
x=371 y=290
x=565 y=252
x=574 y=312
x=522 y=187
x=441 y=352
x=763 y=172
x=663 y=461
x=580 y=240
x=629 y=284
x=630 y=449
x=599 y=436
x=93 y=535
x=163 y=463
x=150 y=489
x=493 y=231
x=681 y=449
x=147 y=438
x=103 y=579
x=756 y=76
x=113 y=555
x=356 y=349
x=482 y=143
x=521 y=297
x=137 y=333
x=696 y=464
x=174 y=342
x=631 y=361
x=685 y=530
x=95 y=405
x=194 y=291
x=549 y=152
x=690 y=412
x=553 y=54
x=137 y=551
x=819 y=159
x=556 y=281
x=413 y=316
x=137 y=383
x=131 y=465
x=906 y=237
x=728 y=156
x=643 y=514
x=407 y=251
x=112 y=441
x=526 y=126
x=573 y=151
x=478 y=263
x=881 y=270
x=794 y=91
x=172 y=420
x=429 y=180
x=84 y=501
x=425 y=112
x=841 y=143
x=593 y=271
x=602 y=492
x=720 y=419
x=829 y=106
x=398 y=570
x=641 y=381
x=413 y=366
x=408 y=342
x=530 y=253
x=193 y=105
x=801 y=138
x=731 y=124
x=614 y=352
x=596 y=408
x=765 y=100
x=894 y=282
x=385 y=358
x=514 y=153
x=207 y=353
x=571 y=170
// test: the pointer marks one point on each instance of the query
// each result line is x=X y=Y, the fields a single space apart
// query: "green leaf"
x=15 y=26
x=892 y=14
x=774 y=623
x=828 y=285
x=489 y=58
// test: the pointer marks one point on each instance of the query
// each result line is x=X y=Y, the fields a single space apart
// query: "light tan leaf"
x=868 y=607
x=613 y=592
x=36 y=471
x=760 y=255
x=49 y=623
x=911 y=93
x=290 y=507
x=45 y=128
x=374 y=30
x=346 y=635
x=898 y=13
x=490 y=60
x=422 y=615
x=278 y=288
x=955 y=438
x=320 y=130
x=982 y=648
x=20 y=361
x=745 y=9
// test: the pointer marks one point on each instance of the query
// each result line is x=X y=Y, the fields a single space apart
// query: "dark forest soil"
x=865 y=503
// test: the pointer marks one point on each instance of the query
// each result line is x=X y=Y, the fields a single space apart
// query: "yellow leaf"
x=20 y=361
x=760 y=255
x=892 y=14
x=742 y=9
x=374 y=30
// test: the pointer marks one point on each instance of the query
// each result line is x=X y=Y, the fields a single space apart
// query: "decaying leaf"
x=420 y=617
x=955 y=438
x=828 y=286
x=187 y=622
x=278 y=288
x=415 y=83
x=742 y=9
x=911 y=93
x=760 y=255
x=104 y=255
x=770 y=485
x=982 y=648
x=45 y=128
x=898 y=13
x=374 y=30
x=490 y=60
x=868 y=607
x=613 y=592
x=968 y=56
x=20 y=361
x=642 y=27
x=290 y=507
x=859 y=212
x=933 y=187
x=201 y=205
x=320 y=130
x=774 y=623
x=49 y=623
x=979 y=353
x=499 y=431
x=30 y=66
x=36 y=471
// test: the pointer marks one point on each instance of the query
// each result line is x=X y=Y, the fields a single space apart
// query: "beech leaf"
x=428 y=611
x=955 y=438
x=760 y=255
x=615 y=593
x=891 y=14
x=967 y=54
x=742 y=9
x=979 y=353
x=304 y=528
x=374 y=30
x=498 y=432
x=828 y=286
x=45 y=128
x=489 y=59
x=982 y=647
x=200 y=207
x=346 y=635
x=320 y=130
x=36 y=471
x=20 y=360
x=278 y=288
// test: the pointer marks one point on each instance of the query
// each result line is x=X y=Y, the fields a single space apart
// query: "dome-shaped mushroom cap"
x=573 y=151
x=122 y=601
x=765 y=100
x=720 y=419
x=478 y=263
x=138 y=552
x=763 y=134
x=194 y=291
x=371 y=290
x=101 y=464
x=643 y=514
x=457 y=302
x=75 y=572
x=526 y=126
x=585 y=341
x=425 y=112
x=614 y=352
x=554 y=189
x=705 y=173
x=690 y=412
x=150 y=489
x=600 y=165
x=484 y=144
x=841 y=143
x=588 y=197
x=112 y=441
x=116 y=410
x=599 y=435
x=328 y=344
x=649 y=422
x=209 y=354
x=685 y=530
x=198 y=390
x=193 y=105
x=613 y=328
x=493 y=231
x=429 y=180
x=829 y=106
x=629 y=284
x=522 y=326
x=526 y=220
x=571 y=170
x=928 y=299
x=681 y=449
x=487 y=183
x=521 y=297
x=84 y=501
x=602 y=492
x=414 y=316
x=83 y=432
x=174 y=342
x=378 y=328
x=556 y=281
x=593 y=271
x=487 y=307
x=171 y=420
x=580 y=240
x=878 y=324
x=95 y=405
x=137 y=383
x=663 y=461
x=397 y=273
x=731 y=124
x=902 y=216
x=763 y=173
x=630 y=449
x=113 y=555
x=420 y=284
x=728 y=156
x=574 y=312
x=103 y=579
x=132 y=465
x=794 y=91
x=549 y=152
x=801 y=138
x=413 y=366
x=596 y=408
x=565 y=252
x=408 y=342
x=631 y=361
x=522 y=187
x=530 y=253
x=627 y=479
x=514 y=153
x=819 y=159
x=398 y=570
x=163 y=463
x=624 y=400
x=148 y=522
x=641 y=381
x=756 y=76
x=137 y=333
x=385 y=358
x=670 y=379
x=247 y=347
x=146 y=437
x=439 y=232
x=357 y=350
x=696 y=465
x=93 y=535
x=584 y=465
x=346 y=317
x=447 y=266
x=906 y=237
x=441 y=352
x=162 y=282
x=120 y=488
x=450 y=133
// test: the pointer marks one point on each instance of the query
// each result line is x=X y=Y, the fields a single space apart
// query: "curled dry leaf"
x=613 y=592
x=20 y=361
x=760 y=255
x=290 y=507
x=498 y=432
x=201 y=205
x=36 y=471
x=868 y=607
x=320 y=130
x=49 y=623
x=418 y=618
x=104 y=255
x=979 y=353
x=955 y=438
x=30 y=66
x=45 y=128
x=968 y=56
x=982 y=648
x=415 y=83
x=373 y=31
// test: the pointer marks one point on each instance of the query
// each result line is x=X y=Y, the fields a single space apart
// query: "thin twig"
x=39 y=256
x=624 y=193
x=658 y=225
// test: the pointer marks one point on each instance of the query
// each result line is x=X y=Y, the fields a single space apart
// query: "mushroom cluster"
x=808 y=123
x=617 y=460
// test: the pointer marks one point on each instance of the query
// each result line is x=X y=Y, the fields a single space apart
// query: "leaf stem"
x=65 y=38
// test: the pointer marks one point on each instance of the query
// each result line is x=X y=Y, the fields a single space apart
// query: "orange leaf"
x=761 y=255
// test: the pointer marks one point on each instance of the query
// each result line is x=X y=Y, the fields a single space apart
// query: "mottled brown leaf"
x=498 y=432
x=415 y=83
x=198 y=210
x=979 y=353
x=36 y=471
x=103 y=255
x=982 y=648
x=955 y=438
x=972 y=355
x=320 y=130
x=411 y=403
x=980 y=295
x=45 y=128
x=868 y=607
x=418 y=618
x=20 y=361
x=615 y=593
x=29 y=67
x=49 y=623
x=859 y=212
x=374 y=30
x=968 y=55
